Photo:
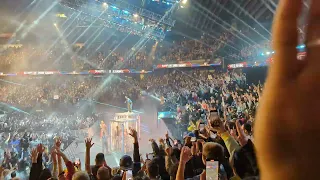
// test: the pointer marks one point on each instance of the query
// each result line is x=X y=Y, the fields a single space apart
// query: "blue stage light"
x=262 y=54
x=161 y=115
x=126 y=12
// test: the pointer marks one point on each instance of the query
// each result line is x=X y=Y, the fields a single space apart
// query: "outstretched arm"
x=87 y=160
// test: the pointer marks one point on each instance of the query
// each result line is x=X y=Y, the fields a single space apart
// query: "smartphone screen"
x=212 y=170
x=129 y=175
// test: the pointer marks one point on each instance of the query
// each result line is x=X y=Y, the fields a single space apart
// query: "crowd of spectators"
x=33 y=58
x=199 y=102
x=171 y=159
x=215 y=111
x=188 y=50
x=224 y=95
x=45 y=91
x=19 y=57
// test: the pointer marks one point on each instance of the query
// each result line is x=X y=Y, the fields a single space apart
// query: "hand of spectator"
x=58 y=142
x=34 y=155
x=242 y=137
x=233 y=133
x=203 y=175
x=133 y=133
x=161 y=141
x=53 y=155
x=220 y=129
x=88 y=142
x=151 y=140
x=201 y=141
x=40 y=148
x=169 y=151
x=194 y=149
x=167 y=135
x=1 y=170
x=185 y=155
x=291 y=95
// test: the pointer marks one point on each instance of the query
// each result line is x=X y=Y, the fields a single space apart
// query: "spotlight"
x=268 y=53
x=55 y=24
x=135 y=15
x=104 y=4
x=184 y=1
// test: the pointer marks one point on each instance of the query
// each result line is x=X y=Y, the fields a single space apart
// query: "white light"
x=135 y=15
x=55 y=24
x=184 y=1
x=267 y=53
x=105 y=5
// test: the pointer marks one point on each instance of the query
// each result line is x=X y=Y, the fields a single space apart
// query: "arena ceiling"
x=249 y=21
x=213 y=17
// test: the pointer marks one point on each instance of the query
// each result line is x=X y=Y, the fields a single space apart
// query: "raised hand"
x=221 y=126
x=34 y=155
x=161 y=141
x=53 y=154
x=58 y=142
x=59 y=152
x=167 y=135
x=1 y=170
x=242 y=137
x=287 y=125
x=40 y=148
x=169 y=151
x=89 y=143
x=133 y=133
x=186 y=154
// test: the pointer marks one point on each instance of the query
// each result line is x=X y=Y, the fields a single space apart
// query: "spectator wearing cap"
x=126 y=162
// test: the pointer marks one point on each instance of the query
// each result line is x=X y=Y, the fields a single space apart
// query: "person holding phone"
x=212 y=152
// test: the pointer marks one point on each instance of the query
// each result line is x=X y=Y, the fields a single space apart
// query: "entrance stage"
x=149 y=127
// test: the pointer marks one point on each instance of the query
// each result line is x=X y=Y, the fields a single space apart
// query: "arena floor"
x=150 y=128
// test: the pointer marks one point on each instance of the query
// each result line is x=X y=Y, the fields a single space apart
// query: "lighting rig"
x=122 y=16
